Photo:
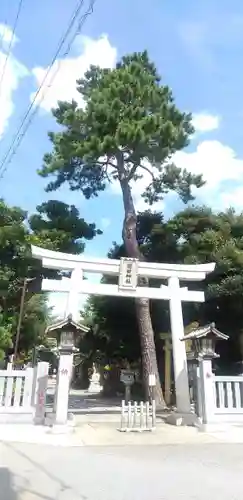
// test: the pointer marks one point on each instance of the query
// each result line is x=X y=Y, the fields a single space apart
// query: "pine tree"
x=129 y=125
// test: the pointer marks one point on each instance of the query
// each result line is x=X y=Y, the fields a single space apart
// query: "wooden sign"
x=152 y=380
x=128 y=274
x=127 y=377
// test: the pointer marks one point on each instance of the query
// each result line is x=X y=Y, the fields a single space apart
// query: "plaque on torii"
x=128 y=274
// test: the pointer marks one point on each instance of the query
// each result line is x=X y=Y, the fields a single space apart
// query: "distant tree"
x=59 y=226
x=194 y=235
x=56 y=226
x=13 y=265
x=206 y=236
x=130 y=126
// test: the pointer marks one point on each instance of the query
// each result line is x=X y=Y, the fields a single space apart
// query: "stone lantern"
x=67 y=333
x=203 y=342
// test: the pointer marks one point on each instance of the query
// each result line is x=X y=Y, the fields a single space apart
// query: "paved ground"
x=184 y=472
x=103 y=434
x=84 y=402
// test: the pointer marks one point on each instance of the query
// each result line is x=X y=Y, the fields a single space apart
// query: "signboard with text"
x=128 y=274
x=152 y=380
x=127 y=377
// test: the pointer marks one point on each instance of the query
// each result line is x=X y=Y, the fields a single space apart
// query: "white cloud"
x=7 y=36
x=205 y=122
x=220 y=167
x=216 y=161
x=14 y=71
x=232 y=198
x=62 y=87
x=105 y=222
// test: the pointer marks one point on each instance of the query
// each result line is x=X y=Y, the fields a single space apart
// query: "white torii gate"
x=129 y=270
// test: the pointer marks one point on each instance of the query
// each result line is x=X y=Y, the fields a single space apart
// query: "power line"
x=17 y=139
x=3 y=34
x=28 y=116
x=20 y=5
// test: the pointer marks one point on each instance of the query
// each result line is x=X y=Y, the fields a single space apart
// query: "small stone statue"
x=95 y=381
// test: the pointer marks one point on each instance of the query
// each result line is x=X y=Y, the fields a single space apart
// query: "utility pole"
x=21 y=311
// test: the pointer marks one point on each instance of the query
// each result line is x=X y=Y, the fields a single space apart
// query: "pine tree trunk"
x=149 y=359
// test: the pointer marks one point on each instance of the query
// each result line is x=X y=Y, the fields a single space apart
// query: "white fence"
x=138 y=417
x=20 y=392
x=228 y=397
x=219 y=398
x=16 y=392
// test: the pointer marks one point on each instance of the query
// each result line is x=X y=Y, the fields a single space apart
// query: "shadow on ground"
x=7 y=491
x=83 y=402
x=88 y=403
x=32 y=479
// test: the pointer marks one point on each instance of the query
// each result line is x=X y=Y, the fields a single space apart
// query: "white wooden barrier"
x=228 y=398
x=220 y=398
x=138 y=417
x=15 y=394
x=23 y=394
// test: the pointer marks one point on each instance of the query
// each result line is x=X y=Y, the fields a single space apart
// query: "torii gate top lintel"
x=63 y=261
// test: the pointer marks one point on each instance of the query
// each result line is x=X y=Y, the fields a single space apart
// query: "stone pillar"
x=179 y=350
x=240 y=364
x=39 y=391
x=207 y=391
x=168 y=352
x=62 y=388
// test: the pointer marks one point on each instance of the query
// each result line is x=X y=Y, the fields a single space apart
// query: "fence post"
x=123 y=415
x=147 y=414
x=40 y=389
x=206 y=381
x=40 y=370
x=142 y=415
x=34 y=386
x=138 y=417
x=129 y=419
x=153 y=414
x=28 y=386
x=198 y=394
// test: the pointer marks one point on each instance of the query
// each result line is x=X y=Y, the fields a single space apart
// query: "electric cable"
x=28 y=116
x=20 y=5
x=3 y=34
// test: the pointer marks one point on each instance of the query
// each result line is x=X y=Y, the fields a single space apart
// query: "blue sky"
x=197 y=47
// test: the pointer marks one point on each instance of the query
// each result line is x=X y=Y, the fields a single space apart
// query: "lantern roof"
x=67 y=322
x=204 y=331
